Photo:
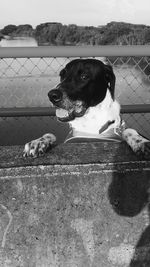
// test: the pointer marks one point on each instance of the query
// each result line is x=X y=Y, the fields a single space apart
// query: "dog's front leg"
x=139 y=144
x=39 y=146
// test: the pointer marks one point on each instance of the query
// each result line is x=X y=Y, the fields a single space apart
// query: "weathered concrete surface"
x=81 y=205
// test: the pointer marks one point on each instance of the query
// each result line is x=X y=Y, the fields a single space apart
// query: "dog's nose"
x=55 y=96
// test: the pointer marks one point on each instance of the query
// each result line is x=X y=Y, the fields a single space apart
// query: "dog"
x=85 y=98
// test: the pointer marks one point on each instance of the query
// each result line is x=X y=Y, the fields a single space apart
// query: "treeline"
x=53 y=33
x=15 y=31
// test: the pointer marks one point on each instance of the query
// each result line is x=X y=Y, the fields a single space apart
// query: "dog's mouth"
x=65 y=115
x=67 y=109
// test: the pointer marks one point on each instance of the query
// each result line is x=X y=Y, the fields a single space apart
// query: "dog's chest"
x=96 y=117
x=90 y=122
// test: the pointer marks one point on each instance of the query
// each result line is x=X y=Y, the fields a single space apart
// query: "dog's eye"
x=84 y=76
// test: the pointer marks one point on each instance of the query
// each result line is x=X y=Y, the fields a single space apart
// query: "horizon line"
x=53 y=22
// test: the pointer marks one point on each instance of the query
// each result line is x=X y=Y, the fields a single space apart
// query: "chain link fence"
x=27 y=76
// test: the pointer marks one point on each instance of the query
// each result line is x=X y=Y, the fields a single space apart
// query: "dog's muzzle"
x=66 y=110
x=56 y=98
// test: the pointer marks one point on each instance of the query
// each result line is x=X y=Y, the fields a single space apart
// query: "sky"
x=80 y=12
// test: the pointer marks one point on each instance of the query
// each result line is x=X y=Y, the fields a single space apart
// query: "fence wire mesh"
x=25 y=82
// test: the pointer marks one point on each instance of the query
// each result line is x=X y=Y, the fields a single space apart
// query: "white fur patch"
x=95 y=117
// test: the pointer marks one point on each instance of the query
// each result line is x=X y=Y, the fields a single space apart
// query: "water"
x=17 y=42
x=25 y=83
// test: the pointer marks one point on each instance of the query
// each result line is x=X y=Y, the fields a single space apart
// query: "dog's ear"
x=110 y=78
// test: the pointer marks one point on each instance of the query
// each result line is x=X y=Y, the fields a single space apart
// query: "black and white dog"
x=85 y=98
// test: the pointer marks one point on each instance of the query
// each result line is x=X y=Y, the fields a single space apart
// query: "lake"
x=25 y=83
x=18 y=41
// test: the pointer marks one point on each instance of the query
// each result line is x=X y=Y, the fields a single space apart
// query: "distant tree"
x=114 y=30
x=9 y=29
x=1 y=36
x=53 y=33
x=61 y=36
x=71 y=34
x=26 y=27
x=24 y=30
x=47 y=32
x=147 y=35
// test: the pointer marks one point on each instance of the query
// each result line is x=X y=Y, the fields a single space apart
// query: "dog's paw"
x=139 y=144
x=39 y=146
x=144 y=150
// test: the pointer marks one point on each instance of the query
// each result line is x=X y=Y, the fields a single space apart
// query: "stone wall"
x=80 y=205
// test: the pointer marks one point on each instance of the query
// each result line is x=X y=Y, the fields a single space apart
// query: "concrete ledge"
x=79 y=205
x=82 y=153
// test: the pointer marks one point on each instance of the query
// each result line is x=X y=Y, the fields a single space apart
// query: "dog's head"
x=83 y=84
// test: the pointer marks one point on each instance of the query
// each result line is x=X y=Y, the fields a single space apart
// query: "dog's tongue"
x=61 y=113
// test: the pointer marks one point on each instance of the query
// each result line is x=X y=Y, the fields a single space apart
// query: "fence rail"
x=49 y=111
x=74 y=51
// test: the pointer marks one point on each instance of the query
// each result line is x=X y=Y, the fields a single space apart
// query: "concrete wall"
x=80 y=205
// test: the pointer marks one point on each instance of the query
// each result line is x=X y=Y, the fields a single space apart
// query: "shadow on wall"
x=128 y=195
